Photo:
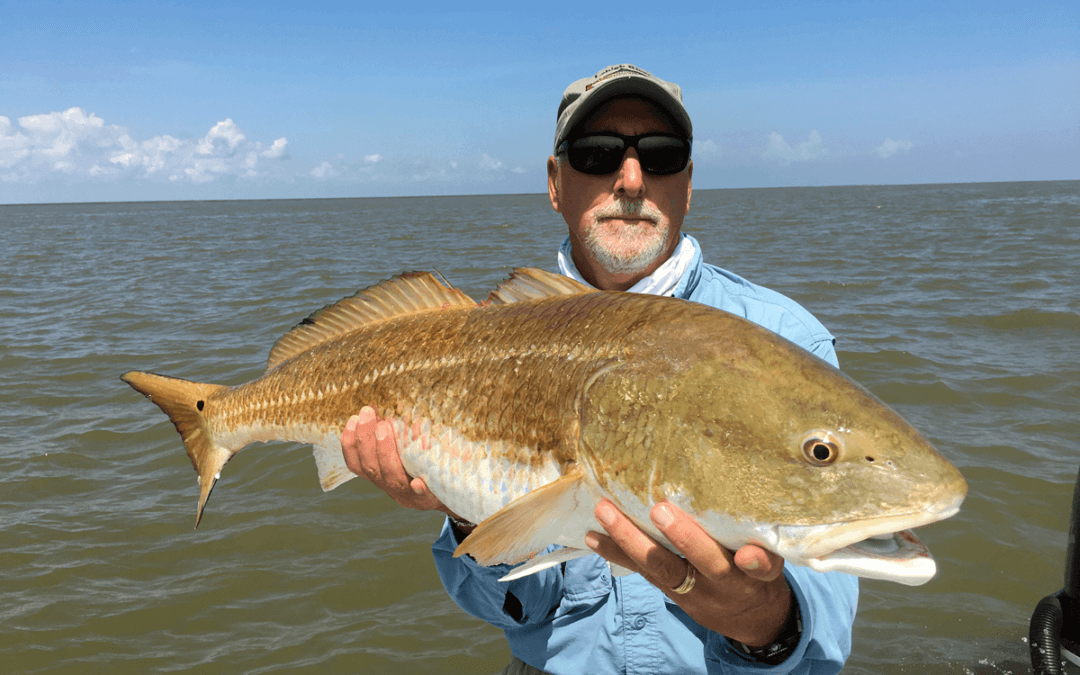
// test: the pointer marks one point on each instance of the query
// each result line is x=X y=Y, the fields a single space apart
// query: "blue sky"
x=108 y=101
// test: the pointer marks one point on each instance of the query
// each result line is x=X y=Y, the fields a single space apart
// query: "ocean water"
x=959 y=305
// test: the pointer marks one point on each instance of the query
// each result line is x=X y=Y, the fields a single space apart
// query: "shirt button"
x=639 y=623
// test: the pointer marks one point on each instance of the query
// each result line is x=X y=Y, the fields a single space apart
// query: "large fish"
x=522 y=412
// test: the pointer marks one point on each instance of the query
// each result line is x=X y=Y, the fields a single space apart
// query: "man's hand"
x=370 y=450
x=741 y=595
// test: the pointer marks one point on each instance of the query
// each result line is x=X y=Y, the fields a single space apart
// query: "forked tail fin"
x=185 y=402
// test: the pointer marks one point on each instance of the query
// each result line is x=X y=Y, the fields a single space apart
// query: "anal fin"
x=331 y=463
x=528 y=524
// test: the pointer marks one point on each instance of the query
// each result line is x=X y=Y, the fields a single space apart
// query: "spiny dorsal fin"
x=530 y=283
x=405 y=294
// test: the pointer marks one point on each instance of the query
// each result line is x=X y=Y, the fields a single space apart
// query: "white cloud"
x=222 y=139
x=276 y=150
x=74 y=143
x=707 y=150
x=325 y=171
x=779 y=149
x=338 y=167
x=891 y=147
x=441 y=174
x=489 y=163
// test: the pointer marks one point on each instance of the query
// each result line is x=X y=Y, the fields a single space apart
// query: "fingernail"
x=380 y=432
x=366 y=415
x=351 y=424
x=605 y=513
x=663 y=516
x=752 y=565
x=592 y=541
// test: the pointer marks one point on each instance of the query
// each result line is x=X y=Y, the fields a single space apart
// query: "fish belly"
x=474 y=479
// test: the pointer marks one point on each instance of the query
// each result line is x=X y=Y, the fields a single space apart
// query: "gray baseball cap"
x=583 y=97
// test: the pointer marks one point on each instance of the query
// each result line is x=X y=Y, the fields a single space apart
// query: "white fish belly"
x=473 y=479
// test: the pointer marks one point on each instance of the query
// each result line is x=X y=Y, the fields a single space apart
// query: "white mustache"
x=625 y=208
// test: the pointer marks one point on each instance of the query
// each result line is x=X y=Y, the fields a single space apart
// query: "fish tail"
x=184 y=402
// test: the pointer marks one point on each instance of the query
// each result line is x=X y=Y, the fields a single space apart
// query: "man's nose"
x=629 y=179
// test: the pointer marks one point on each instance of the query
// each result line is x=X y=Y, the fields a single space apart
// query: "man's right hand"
x=370 y=450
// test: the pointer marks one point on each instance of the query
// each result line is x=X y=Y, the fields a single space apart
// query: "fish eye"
x=820 y=450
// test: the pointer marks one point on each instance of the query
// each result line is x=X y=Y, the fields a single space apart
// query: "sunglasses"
x=602 y=153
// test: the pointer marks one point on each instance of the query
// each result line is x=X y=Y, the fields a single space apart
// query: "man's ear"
x=553 y=182
x=689 y=177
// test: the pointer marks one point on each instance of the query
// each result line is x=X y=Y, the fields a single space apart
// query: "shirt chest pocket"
x=585 y=580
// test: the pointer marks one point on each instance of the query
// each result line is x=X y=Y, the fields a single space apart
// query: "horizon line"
x=519 y=194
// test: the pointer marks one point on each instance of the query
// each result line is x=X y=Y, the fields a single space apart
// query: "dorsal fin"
x=405 y=294
x=530 y=283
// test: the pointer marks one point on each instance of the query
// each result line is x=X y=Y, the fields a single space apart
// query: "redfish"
x=522 y=412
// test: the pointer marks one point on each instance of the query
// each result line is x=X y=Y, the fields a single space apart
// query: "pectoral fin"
x=542 y=562
x=528 y=524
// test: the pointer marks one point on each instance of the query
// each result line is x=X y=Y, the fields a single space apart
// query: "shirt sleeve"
x=765 y=307
x=828 y=603
x=477 y=589
x=825 y=349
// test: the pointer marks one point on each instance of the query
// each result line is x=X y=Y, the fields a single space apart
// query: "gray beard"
x=635 y=262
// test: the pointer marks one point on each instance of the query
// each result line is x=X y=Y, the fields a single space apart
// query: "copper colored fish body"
x=524 y=411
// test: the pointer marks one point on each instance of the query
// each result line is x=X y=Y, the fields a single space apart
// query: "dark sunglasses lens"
x=662 y=155
x=596 y=154
x=600 y=155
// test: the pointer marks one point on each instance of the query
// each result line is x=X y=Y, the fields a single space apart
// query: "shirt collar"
x=664 y=281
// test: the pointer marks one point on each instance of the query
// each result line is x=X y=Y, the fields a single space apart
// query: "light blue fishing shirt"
x=578 y=619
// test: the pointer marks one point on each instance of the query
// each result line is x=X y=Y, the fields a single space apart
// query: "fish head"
x=860 y=485
x=822 y=472
x=763 y=442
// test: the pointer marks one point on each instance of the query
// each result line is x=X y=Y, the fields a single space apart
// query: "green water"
x=959 y=305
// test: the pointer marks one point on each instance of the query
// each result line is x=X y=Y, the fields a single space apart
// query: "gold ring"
x=687 y=583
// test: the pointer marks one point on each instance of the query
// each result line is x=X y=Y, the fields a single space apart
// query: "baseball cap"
x=583 y=97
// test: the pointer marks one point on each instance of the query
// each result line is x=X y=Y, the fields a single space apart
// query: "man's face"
x=625 y=224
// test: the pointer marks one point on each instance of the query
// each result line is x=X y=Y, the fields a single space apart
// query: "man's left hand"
x=742 y=595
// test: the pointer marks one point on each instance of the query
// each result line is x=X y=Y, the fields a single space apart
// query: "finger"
x=365 y=444
x=391 y=470
x=703 y=552
x=358 y=444
x=651 y=559
x=407 y=491
x=606 y=548
x=758 y=563
x=349 y=449
x=423 y=498
x=370 y=449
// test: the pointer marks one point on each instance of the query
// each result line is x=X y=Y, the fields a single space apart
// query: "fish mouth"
x=876 y=548
x=899 y=557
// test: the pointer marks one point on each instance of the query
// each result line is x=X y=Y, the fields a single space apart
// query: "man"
x=621 y=179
